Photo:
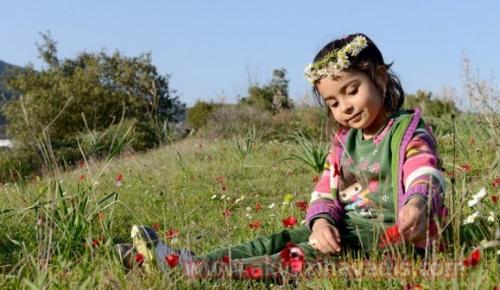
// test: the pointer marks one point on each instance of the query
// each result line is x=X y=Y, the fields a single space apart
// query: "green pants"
x=271 y=245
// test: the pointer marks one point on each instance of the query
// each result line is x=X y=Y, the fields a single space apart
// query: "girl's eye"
x=353 y=92
x=334 y=105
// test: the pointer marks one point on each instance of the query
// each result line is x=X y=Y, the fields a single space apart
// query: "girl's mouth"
x=354 y=118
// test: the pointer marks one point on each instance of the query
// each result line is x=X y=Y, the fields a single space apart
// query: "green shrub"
x=18 y=164
x=198 y=115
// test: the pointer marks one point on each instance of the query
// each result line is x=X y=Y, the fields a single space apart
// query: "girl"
x=382 y=170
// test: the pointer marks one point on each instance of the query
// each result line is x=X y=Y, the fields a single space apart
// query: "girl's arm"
x=324 y=203
x=422 y=176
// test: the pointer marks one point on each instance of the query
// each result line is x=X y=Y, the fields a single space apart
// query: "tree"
x=272 y=97
x=429 y=105
x=88 y=93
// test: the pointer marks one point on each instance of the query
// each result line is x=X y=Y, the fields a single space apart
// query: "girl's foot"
x=126 y=253
x=154 y=252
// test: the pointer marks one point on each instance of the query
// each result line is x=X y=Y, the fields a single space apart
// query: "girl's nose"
x=346 y=108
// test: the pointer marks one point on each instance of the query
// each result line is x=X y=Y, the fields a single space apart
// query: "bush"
x=18 y=164
x=232 y=120
x=198 y=115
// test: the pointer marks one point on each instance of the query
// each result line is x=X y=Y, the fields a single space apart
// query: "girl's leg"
x=263 y=246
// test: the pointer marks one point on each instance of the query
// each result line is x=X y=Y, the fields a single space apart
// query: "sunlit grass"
x=59 y=231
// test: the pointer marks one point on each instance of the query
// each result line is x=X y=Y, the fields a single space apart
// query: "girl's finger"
x=333 y=246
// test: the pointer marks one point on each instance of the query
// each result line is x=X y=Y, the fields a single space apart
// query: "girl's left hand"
x=412 y=220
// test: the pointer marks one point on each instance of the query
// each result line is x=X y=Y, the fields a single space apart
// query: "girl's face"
x=355 y=101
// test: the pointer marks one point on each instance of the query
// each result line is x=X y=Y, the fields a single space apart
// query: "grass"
x=59 y=231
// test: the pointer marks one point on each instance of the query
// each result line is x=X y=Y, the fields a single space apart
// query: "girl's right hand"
x=325 y=237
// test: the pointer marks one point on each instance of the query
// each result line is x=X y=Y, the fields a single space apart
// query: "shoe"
x=126 y=253
x=147 y=243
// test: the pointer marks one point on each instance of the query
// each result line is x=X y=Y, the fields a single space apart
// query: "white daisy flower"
x=214 y=196
x=491 y=217
x=248 y=208
x=272 y=205
x=470 y=219
x=476 y=198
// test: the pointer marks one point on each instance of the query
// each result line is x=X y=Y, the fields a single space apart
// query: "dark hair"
x=367 y=61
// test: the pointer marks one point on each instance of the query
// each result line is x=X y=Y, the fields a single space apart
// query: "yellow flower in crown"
x=335 y=61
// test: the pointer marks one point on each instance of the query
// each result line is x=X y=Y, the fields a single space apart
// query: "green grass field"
x=58 y=231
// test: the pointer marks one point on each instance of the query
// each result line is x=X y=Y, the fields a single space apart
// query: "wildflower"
x=470 y=219
x=293 y=257
x=254 y=225
x=156 y=226
x=413 y=286
x=466 y=167
x=390 y=237
x=476 y=198
x=248 y=208
x=96 y=243
x=290 y=222
x=119 y=180
x=220 y=179
x=214 y=196
x=473 y=259
x=496 y=182
x=252 y=272
x=494 y=198
x=172 y=260
x=258 y=206
x=249 y=216
x=171 y=234
x=239 y=199
x=288 y=198
x=302 y=205
x=272 y=205
x=226 y=259
x=139 y=258
x=491 y=217
x=82 y=177
x=227 y=212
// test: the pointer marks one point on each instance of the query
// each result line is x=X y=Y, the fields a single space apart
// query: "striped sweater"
x=420 y=174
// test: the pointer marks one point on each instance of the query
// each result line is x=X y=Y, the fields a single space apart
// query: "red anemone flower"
x=466 y=167
x=302 y=205
x=119 y=180
x=156 y=226
x=390 y=237
x=258 y=207
x=292 y=257
x=172 y=260
x=139 y=258
x=254 y=225
x=473 y=259
x=225 y=259
x=252 y=272
x=227 y=212
x=496 y=182
x=171 y=234
x=290 y=222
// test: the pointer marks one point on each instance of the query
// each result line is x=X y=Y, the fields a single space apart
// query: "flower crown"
x=335 y=61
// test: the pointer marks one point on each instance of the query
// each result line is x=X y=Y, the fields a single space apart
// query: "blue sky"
x=214 y=49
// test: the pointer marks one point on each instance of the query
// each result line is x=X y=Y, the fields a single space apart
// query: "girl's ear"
x=381 y=78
